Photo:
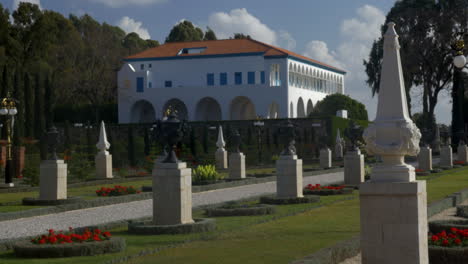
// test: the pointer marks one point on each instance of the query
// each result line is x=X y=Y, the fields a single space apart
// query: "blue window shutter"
x=168 y=84
x=223 y=78
x=210 y=79
x=251 y=77
x=150 y=85
x=139 y=85
x=238 y=78
x=262 y=77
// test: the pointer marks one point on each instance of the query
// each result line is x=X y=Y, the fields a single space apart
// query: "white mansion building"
x=231 y=79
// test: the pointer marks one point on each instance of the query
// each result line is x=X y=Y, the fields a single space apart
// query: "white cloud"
x=129 y=25
x=121 y=3
x=241 y=21
x=16 y=3
x=357 y=35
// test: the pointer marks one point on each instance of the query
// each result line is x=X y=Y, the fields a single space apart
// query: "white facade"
x=271 y=87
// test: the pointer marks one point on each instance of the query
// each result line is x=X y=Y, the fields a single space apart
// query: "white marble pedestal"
x=221 y=157
x=354 y=167
x=325 y=158
x=462 y=153
x=172 y=194
x=289 y=177
x=103 y=166
x=236 y=165
x=425 y=159
x=53 y=180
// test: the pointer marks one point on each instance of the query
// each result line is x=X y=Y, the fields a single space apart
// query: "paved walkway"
x=132 y=210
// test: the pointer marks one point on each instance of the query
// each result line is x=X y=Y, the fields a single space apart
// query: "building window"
x=223 y=78
x=275 y=75
x=168 y=84
x=142 y=66
x=238 y=78
x=139 y=86
x=150 y=85
x=262 y=77
x=150 y=66
x=251 y=77
x=210 y=79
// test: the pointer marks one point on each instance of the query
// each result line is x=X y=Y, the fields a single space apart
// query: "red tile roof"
x=222 y=47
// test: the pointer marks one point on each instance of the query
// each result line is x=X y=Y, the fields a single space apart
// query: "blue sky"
x=338 y=32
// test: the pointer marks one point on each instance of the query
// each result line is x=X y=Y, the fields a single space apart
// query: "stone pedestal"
x=289 y=177
x=446 y=157
x=394 y=222
x=221 y=157
x=172 y=194
x=425 y=159
x=354 y=167
x=236 y=165
x=53 y=180
x=338 y=151
x=103 y=166
x=325 y=158
x=462 y=153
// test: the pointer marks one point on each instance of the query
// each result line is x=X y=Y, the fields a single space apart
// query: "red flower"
x=42 y=241
x=457 y=241
x=445 y=242
x=96 y=238
x=434 y=238
x=52 y=240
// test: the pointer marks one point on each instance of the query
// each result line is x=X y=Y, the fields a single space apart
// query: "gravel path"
x=448 y=214
x=98 y=215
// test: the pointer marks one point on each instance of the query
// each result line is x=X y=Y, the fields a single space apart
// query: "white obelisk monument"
x=103 y=159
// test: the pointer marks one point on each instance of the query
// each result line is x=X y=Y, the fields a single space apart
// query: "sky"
x=336 y=32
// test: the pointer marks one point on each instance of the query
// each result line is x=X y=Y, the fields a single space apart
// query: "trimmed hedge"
x=444 y=255
x=328 y=191
x=462 y=210
x=441 y=225
x=258 y=209
x=289 y=200
x=148 y=228
x=26 y=249
x=37 y=201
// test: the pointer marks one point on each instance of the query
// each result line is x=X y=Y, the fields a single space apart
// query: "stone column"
x=103 y=159
x=338 y=146
x=172 y=194
x=462 y=153
x=436 y=143
x=221 y=154
x=393 y=204
x=289 y=176
x=325 y=158
x=425 y=159
x=354 y=167
x=236 y=165
x=53 y=180
x=446 y=157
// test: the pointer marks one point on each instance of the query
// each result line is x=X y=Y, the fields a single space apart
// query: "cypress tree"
x=67 y=136
x=131 y=146
x=49 y=102
x=39 y=125
x=193 y=145
x=205 y=140
x=28 y=107
x=267 y=138
x=90 y=145
x=19 y=118
x=147 y=142
x=5 y=82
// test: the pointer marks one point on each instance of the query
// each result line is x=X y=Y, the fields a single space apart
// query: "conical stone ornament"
x=220 y=143
x=103 y=145
x=393 y=134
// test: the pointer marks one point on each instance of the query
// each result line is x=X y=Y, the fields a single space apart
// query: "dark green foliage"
x=267 y=138
x=291 y=200
x=209 y=34
x=241 y=210
x=49 y=102
x=26 y=249
x=444 y=255
x=80 y=166
x=328 y=192
x=147 y=142
x=205 y=139
x=249 y=136
x=462 y=210
x=31 y=169
x=81 y=113
x=193 y=143
x=5 y=82
x=185 y=31
x=90 y=143
x=241 y=36
x=334 y=102
x=148 y=228
x=40 y=202
x=131 y=146
x=67 y=144
x=39 y=116
x=441 y=225
x=28 y=103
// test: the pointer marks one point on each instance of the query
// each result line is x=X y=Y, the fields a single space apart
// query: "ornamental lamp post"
x=8 y=109
x=459 y=61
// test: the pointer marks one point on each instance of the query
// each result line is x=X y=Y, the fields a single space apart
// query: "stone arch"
x=273 y=110
x=177 y=105
x=291 y=110
x=242 y=108
x=310 y=107
x=208 y=109
x=290 y=66
x=300 y=108
x=142 y=111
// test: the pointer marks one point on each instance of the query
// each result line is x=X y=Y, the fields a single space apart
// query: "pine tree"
x=28 y=107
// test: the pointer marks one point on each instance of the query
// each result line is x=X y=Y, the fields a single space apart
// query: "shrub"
x=205 y=173
x=334 y=102
x=31 y=170
x=79 y=166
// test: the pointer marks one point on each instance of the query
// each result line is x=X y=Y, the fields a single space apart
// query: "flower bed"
x=449 y=247
x=236 y=209
x=116 y=191
x=69 y=244
x=420 y=172
x=441 y=225
x=318 y=189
